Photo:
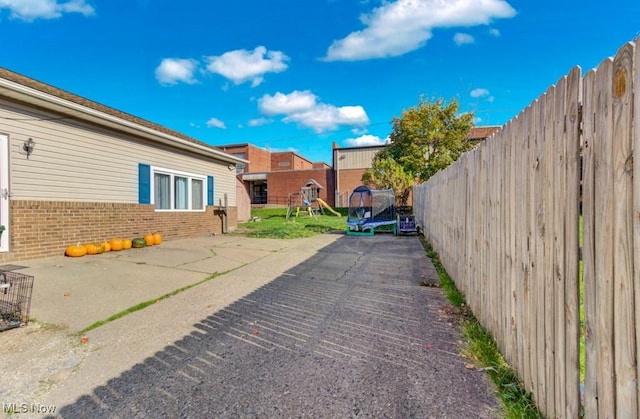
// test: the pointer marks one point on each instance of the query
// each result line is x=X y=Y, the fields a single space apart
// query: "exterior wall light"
x=28 y=146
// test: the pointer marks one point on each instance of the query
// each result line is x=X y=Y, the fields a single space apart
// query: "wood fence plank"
x=603 y=239
x=636 y=194
x=509 y=237
x=533 y=311
x=624 y=313
x=557 y=235
x=535 y=253
x=544 y=246
x=511 y=232
x=492 y=245
x=571 y=245
x=588 y=243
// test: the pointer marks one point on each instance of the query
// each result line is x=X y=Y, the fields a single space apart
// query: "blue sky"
x=301 y=74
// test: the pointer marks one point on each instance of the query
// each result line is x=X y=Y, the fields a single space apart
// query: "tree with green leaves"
x=387 y=173
x=426 y=139
x=429 y=137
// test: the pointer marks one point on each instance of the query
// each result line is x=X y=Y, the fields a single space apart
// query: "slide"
x=326 y=206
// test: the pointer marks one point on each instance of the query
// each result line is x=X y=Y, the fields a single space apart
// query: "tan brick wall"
x=41 y=229
x=283 y=183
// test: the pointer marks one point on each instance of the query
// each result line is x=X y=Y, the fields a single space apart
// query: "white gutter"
x=123 y=123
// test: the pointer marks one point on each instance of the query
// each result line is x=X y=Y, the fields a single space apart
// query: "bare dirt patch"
x=34 y=359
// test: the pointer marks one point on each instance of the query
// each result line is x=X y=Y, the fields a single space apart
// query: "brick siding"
x=41 y=229
x=283 y=183
x=288 y=160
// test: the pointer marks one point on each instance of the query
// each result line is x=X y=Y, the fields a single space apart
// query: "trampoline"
x=371 y=209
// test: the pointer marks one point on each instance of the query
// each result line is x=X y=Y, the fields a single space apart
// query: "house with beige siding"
x=73 y=170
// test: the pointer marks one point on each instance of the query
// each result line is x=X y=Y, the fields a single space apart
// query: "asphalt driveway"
x=348 y=332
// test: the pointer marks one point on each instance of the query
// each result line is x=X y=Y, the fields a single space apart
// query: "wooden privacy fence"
x=505 y=220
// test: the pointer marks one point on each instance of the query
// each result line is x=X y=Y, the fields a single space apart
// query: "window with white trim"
x=178 y=191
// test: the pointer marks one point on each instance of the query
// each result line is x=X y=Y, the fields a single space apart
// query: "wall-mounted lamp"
x=28 y=146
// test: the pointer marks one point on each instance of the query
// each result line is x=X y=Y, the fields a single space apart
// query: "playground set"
x=307 y=202
x=372 y=210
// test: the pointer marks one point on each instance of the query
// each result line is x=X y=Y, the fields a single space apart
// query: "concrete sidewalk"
x=49 y=365
x=76 y=292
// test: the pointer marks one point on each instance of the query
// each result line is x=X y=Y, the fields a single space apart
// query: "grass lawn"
x=273 y=223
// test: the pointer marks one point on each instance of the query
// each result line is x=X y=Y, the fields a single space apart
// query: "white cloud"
x=366 y=140
x=302 y=107
x=296 y=101
x=463 y=38
x=216 y=123
x=479 y=92
x=258 y=122
x=242 y=66
x=174 y=70
x=494 y=32
x=398 y=27
x=29 y=10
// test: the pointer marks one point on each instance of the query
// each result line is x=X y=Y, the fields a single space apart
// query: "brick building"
x=270 y=177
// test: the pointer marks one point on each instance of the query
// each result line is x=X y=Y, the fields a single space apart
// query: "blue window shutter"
x=144 y=183
x=209 y=190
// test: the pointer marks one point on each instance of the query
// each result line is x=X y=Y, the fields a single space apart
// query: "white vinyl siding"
x=77 y=161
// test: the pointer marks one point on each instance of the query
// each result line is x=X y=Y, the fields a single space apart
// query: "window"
x=175 y=191
x=197 y=192
x=162 y=190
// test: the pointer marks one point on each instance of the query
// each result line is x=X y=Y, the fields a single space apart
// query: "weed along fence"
x=505 y=220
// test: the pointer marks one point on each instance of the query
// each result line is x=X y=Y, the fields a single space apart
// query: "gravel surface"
x=348 y=333
x=34 y=359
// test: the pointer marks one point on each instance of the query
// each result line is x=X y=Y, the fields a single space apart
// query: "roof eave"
x=44 y=100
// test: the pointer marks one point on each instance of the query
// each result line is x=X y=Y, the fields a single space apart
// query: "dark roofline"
x=361 y=147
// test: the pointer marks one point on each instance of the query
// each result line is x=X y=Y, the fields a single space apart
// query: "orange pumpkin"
x=126 y=244
x=93 y=249
x=106 y=245
x=76 y=250
x=157 y=238
x=116 y=244
x=148 y=238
